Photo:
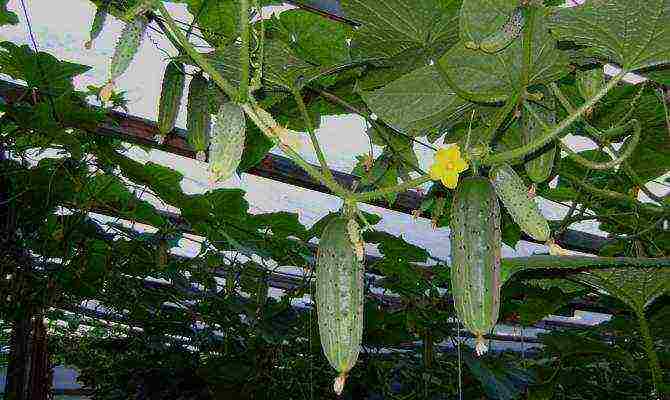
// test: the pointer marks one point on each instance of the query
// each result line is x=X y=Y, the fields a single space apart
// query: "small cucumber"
x=198 y=118
x=98 y=24
x=227 y=142
x=502 y=38
x=514 y=195
x=127 y=46
x=539 y=167
x=172 y=91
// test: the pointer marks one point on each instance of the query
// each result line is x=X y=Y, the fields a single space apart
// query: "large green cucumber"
x=475 y=256
x=539 y=167
x=127 y=46
x=172 y=91
x=511 y=190
x=339 y=296
x=198 y=118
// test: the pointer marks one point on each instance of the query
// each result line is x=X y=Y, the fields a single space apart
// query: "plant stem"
x=654 y=365
x=548 y=136
x=618 y=159
x=226 y=86
x=376 y=194
x=500 y=117
x=312 y=134
x=612 y=195
x=244 y=51
x=596 y=135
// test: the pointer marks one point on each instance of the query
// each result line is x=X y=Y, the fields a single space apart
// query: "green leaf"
x=7 y=17
x=395 y=247
x=481 y=18
x=312 y=37
x=401 y=36
x=42 y=70
x=492 y=78
x=283 y=224
x=637 y=287
x=218 y=20
x=632 y=33
x=256 y=147
x=416 y=102
x=286 y=69
x=500 y=380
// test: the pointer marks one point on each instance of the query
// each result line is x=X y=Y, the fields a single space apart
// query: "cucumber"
x=98 y=24
x=514 y=195
x=339 y=296
x=198 y=118
x=475 y=255
x=502 y=38
x=172 y=91
x=227 y=142
x=124 y=52
x=127 y=46
x=540 y=166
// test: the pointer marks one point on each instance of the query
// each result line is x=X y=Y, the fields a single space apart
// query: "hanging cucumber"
x=198 y=118
x=97 y=25
x=172 y=91
x=499 y=40
x=514 y=195
x=539 y=167
x=475 y=254
x=126 y=47
x=339 y=296
x=227 y=142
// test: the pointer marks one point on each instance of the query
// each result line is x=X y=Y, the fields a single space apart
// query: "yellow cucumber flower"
x=447 y=165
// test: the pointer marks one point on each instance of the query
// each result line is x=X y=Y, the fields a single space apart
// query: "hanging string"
x=460 y=368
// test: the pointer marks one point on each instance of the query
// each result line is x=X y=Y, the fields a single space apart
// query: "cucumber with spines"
x=499 y=40
x=514 y=195
x=124 y=52
x=227 y=142
x=198 y=118
x=339 y=295
x=476 y=244
x=539 y=167
x=172 y=90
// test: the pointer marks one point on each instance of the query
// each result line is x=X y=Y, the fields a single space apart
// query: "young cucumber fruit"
x=227 y=142
x=502 y=38
x=339 y=296
x=540 y=166
x=126 y=47
x=97 y=25
x=475 y=255
x=198 y=118
x=514 y=195
x=172 y=91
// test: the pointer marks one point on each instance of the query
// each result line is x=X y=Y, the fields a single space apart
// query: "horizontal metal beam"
x=282 y=169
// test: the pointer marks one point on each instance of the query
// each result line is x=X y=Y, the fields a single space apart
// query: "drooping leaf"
x=416 y=102
x=500 y=381
x=400 y=36
x=637 y=287
x=632 y=33
x=42 y=70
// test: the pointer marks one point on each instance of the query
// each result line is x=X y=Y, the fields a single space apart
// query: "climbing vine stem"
x=656 y=372
x=379 y=193
x=244 y=51
x=516 y=155
x=312 y=135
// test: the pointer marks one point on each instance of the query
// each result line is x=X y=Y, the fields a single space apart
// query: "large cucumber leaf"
x=400 y=36
x=483 y=77
x=637 y=287
x=416 y=102
x=632 y=33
